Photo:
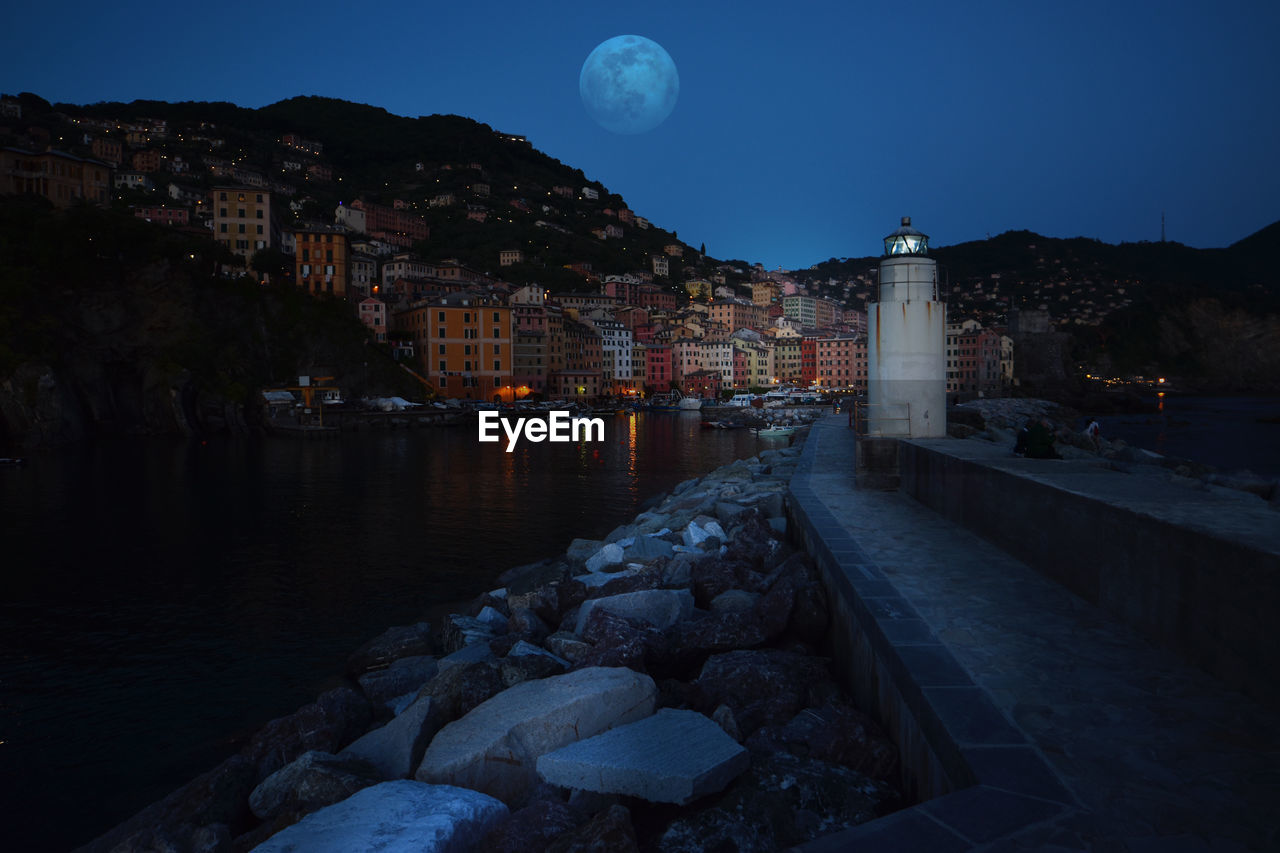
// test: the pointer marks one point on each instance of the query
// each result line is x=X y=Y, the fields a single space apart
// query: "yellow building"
x=61 y=178
x=244 y=220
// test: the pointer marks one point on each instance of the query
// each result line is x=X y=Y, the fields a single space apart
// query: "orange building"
x=61 y=178
x=465 y=343
x=323 y=262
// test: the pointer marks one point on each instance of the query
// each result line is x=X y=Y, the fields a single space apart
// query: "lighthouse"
x=906 y=336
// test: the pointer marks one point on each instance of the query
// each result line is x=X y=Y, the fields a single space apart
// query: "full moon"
x=629 y=84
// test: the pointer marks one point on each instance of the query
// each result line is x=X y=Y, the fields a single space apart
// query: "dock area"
x=1029 y=716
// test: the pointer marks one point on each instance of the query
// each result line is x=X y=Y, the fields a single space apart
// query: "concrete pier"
x=1032 y=717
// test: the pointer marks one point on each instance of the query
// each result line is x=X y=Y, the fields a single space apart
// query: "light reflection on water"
x=162 y=599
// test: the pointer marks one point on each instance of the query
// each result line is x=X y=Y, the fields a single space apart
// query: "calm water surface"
x=1229 y=433
x=163 y=599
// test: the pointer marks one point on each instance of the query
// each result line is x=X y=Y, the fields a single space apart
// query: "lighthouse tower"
x=906 y=336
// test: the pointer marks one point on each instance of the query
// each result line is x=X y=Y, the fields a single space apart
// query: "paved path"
x=1160 y=756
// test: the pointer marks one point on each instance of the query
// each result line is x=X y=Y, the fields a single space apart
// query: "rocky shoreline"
x=660 y=689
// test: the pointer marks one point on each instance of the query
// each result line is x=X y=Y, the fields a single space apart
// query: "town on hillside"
x=483 y=324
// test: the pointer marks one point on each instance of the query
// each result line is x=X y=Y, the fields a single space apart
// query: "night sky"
x=803 y=131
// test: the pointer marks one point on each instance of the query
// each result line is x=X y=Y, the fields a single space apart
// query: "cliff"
x=111 y=325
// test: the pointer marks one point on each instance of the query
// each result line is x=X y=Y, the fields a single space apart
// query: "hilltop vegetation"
x=109 y=324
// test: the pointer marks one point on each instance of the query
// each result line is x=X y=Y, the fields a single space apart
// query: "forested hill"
x=1210 y=315
x=480 y=189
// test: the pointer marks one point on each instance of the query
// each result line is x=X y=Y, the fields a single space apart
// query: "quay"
x=1069 y=657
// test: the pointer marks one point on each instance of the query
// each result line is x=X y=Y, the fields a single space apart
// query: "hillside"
x=109 y=325
x=1209 y=316
x=366 y=152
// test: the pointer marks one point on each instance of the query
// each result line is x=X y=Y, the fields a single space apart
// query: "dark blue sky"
x=803 y=130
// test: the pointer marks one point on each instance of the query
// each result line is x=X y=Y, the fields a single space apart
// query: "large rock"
x=630 y=579
x=313 y=781
x=493 y=749
x=396 y=748
x=689 y=643
x=836 y=733
x=610 y=831
x=568 y=646
x=526 y=624
x=619 y=641
x=461 y=631
x=711 y=577
x=609 y=555
x=334 y=720
x=406 y=675
x=661 y=608
x=530 y=829
x=581 y=549
x=646 y=548
x=672 y=757
x=734 y=601
x=391 y=645
x=474 y=653
x=762 y=687
x=394 y=817
x=457 y=690
x=525 y=579
x=781 y=802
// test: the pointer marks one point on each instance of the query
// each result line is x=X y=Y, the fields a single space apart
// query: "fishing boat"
x=674 y=401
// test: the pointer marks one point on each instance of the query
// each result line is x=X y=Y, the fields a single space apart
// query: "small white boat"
x=690 y=404
x=776 y=432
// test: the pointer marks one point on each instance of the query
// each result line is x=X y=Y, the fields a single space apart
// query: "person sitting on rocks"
x=1040 y=441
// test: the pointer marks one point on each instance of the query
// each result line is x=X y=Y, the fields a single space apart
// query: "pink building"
x=373 y=313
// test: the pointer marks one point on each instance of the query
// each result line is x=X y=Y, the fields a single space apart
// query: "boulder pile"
x=659 y=689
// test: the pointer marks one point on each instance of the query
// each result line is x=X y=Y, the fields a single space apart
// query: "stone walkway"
x=1159 y=755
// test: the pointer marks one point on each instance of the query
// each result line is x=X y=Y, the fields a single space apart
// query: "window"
x=259 y=229
x=497 y=348
x=328 y=270
x=222 y=228
x=496 y=333
x=442 y=334
x=497 y=365
x=223 y=197
x=241 y=228
x=442 y=366
x=466 y=365
x=306 y=254
x=495 y=316
x=442 y=349
x=441 y=316
x=259 y=202
x=466 y=350
x=240 y=213
x=259 y=212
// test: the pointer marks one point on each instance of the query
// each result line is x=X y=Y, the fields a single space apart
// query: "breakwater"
x=696 y=610
x=213 y=585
